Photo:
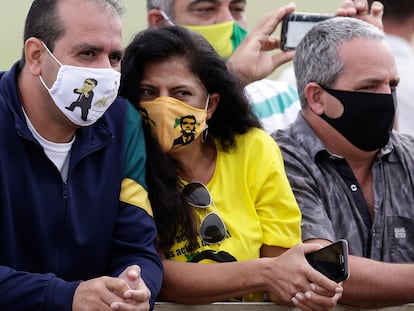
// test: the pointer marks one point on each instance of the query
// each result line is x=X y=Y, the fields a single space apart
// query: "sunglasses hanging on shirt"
x=212 y=227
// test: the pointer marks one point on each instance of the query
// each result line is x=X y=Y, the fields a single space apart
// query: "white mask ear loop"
x=168 y=20
x=207 y=102
x=56 y=60
x=51 y=54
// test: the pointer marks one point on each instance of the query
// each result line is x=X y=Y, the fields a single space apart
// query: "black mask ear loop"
x=167 y=18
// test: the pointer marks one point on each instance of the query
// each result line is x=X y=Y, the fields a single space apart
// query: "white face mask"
x=83 y=94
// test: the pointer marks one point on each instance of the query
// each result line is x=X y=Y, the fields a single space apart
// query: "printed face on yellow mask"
x=174 y=102
x=172 y=122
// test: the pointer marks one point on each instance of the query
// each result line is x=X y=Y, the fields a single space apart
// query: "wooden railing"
x=259 y=306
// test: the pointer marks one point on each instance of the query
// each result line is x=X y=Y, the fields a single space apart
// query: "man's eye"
x=88 y=53
x=237 y=11
x=115 y=60
x=394 y=86
x=368 y=88
x=205 y=12
x=205 y=9
x=116 y=56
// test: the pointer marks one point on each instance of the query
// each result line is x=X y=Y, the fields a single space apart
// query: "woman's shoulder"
x=254 y=145
x=255 y=137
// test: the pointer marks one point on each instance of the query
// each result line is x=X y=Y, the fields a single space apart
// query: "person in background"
x=76 y=230
x=224 y=24
x=216 y=181
x=352 y=176
x=398 y=20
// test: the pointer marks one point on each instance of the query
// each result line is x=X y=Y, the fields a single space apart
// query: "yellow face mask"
x=224 y=37
x=172 y=122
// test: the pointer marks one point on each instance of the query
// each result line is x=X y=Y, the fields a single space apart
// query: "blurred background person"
x=398 y=21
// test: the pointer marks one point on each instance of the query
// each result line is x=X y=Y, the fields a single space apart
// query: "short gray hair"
x=165 y=5
x=317 y=56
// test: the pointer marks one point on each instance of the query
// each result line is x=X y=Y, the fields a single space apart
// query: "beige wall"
x=13 y=13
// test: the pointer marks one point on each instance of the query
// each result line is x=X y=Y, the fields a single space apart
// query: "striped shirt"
x=275 y=103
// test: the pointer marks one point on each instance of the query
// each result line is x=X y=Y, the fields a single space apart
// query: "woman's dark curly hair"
x=232 y=116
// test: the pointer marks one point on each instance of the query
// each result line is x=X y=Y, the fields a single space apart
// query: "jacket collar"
x=88 y=138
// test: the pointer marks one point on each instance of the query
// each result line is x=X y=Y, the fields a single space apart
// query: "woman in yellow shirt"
x=218 y=189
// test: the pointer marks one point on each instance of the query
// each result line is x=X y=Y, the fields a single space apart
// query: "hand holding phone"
x=331 y=260
x=296 y=25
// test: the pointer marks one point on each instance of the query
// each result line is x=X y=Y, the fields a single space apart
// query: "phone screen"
x=296 y=25
x=332 y=260
x=296 y=31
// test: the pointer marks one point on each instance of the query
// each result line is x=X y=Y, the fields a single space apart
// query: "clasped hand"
x=126 y=292
x=293 y=282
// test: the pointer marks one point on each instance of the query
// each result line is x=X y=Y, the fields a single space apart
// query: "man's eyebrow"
x=86 y=46
x=195 y=2
x=238 y=1
x=95 y=48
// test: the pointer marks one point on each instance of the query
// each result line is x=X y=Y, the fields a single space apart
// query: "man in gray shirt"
x=352 y=176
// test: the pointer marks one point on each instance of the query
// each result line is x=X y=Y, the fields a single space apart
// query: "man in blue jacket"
x=76 y=230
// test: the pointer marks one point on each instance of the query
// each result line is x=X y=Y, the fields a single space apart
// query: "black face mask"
x=367 y=119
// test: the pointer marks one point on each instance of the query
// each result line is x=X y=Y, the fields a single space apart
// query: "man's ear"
x=313 y=93
x=156 y=19
x=33 y=51
x=212 y=104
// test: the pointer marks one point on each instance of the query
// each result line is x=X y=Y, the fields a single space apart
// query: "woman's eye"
x=147 y=94
x=183 y=93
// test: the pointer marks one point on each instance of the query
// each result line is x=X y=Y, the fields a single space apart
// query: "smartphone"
x=331 y=260
x=296 y=25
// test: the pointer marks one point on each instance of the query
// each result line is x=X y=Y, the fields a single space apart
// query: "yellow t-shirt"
x=252 y=195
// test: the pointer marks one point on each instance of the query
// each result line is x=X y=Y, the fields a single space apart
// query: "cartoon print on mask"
x=85 y=97
x=147 y=121
x=188 y=130
x=68 y=78
x=172 y=122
